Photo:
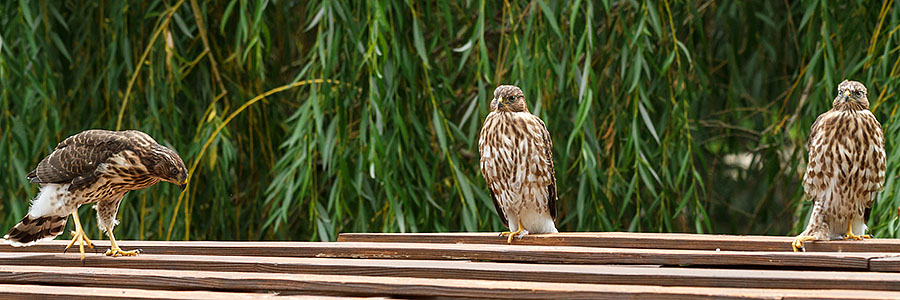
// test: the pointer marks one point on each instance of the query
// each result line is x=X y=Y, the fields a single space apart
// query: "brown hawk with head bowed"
x=846 y=167
x=517 y=164
x=94 y=166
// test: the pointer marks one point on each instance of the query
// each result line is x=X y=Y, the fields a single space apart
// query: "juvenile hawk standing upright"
x=846 y=167
x=517 y=164
x=94 y=166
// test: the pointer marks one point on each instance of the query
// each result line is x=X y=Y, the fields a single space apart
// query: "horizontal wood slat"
x=597 y=274
x=681 y=241
x=885 y=264
x=534 y=254
x=396 y=286
x=29 y=291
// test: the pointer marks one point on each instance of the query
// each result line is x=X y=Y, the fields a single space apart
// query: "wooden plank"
x=599 y=274
x=534 y=254
x=29 y=291
x=885 y=264
x=396 y=286
x=681 y=241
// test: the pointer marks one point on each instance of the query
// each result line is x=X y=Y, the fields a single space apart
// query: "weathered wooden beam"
x=517 y=253
x=681 y=241
x=395 y=286
x=885 y=264
x=29 y=291
x=596 y=274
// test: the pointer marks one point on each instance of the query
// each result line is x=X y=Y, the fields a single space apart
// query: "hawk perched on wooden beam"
x=846 y=167
x=94 y=166
x=517 y=164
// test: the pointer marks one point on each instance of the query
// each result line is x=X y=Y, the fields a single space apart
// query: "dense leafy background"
x=302 y=119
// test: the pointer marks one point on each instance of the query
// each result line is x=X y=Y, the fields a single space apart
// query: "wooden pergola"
x=468 y=265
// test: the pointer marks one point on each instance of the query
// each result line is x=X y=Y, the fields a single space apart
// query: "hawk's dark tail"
x=32 y=230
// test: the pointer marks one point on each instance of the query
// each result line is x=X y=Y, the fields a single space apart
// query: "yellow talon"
x=119 y=252
x=114 y=249
x=798 y=242
x=851 y=236
x=78 y=236
x=512 y=234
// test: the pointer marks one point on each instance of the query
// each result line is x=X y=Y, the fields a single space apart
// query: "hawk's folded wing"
x=76 y=157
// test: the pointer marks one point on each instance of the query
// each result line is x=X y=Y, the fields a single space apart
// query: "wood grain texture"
x=885 y=264
x=396 y=286
x=680 y=241
x=597 y=274
x=518 y=253
x=28 y=291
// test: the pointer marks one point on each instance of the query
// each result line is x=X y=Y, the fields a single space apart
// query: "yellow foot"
x=510 y=235
x=119 y=252
x=798 y=242
x=513 y=234
x=79 y=237
x=851 y=236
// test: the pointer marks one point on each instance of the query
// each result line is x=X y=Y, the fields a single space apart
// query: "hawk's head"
x=169 y=166
x=851 y=95
x=508 y=98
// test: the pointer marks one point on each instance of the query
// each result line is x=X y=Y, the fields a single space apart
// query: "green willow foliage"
x=304 y=119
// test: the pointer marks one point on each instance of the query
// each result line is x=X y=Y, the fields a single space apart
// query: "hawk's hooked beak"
x=182 y=185
x=846 y=96
x=500 y=102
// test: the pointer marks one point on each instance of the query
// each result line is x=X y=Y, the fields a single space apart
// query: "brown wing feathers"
x=548 y=155
x=76 y=157
x=499 y=210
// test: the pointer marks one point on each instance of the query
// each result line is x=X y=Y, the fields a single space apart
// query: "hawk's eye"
x=859 y=94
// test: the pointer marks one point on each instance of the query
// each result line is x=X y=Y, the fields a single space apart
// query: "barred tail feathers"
x=31 y=230
x=46 y=218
